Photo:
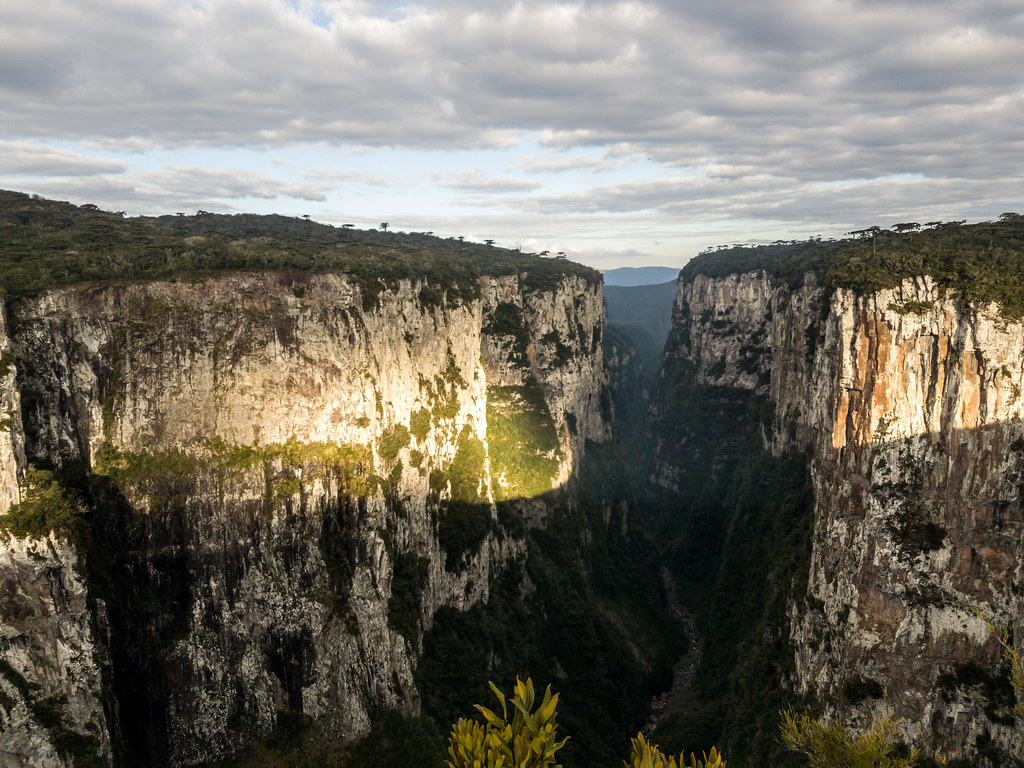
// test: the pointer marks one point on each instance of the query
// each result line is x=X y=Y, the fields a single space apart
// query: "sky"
x=621 y=133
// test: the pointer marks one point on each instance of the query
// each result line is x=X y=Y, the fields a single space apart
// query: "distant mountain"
x=639 y=275
x=649 y=306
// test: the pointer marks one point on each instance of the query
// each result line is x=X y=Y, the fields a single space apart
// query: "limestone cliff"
x=907 y=402
x=285 y=480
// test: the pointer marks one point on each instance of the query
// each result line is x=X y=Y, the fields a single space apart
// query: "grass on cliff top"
x=983 y=262
x=44 y=243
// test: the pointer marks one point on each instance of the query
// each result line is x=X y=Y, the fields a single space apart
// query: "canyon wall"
x=907 y=404
x=284 y=479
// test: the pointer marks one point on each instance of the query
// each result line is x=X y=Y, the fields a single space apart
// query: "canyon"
x=303 y=505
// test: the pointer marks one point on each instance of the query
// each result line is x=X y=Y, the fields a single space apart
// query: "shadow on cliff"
x=139 y=605
x=186 y=599
x=585 y=610
x=735 y=525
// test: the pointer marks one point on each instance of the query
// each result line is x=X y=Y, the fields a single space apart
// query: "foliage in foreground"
x=530 y=739
x=1015 y=659
x=647 y=755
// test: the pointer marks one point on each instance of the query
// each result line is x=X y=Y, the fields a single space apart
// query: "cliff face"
x=908 y=404
x=11 y=433
x=286 y=482
x=630 y=375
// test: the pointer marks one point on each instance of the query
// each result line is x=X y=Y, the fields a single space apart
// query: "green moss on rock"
x=172 y=474
x=466 y=472
x=419 y=424
x=522 y=441
x=393 y=440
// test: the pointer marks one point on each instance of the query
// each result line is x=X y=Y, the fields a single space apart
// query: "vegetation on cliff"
x=523 y=441
x=982 y=262
x=44 y=243
x=46 y=507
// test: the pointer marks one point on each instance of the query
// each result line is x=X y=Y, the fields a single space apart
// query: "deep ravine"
x=682 y=699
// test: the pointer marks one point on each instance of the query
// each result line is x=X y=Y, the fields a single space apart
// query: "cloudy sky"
x=623 y=133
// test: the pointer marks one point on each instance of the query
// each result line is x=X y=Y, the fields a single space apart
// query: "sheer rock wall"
x=259 y=451
x=909 y=405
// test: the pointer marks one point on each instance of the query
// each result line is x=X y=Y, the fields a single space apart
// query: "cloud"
x=22 y=158
x=229 y=184
x=478 y=180
x=692 y=79
x=613 y=159
x=176 y=188
x=740 y=110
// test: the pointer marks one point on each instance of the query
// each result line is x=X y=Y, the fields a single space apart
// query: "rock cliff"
x=284 y=480
x=11 y=433
x=907 y=405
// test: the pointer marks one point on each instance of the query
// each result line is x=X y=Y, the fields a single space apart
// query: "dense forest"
x=983 y=262
x=44 y=243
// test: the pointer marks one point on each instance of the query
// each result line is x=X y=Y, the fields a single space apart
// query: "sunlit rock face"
x=263 y=456
x=910 y=406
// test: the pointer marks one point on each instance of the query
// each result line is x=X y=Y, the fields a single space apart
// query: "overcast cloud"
x=686 y=121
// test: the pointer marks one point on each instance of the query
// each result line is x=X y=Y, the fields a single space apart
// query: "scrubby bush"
x=530 y=739
x=46 y=507
x=828 y=745
x=647 y=755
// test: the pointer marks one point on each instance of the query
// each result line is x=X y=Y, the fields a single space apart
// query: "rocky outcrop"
x=908 y=403
x=286 y=480
x=553 y=337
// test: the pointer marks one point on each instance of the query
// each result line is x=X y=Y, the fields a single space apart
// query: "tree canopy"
x=983 y=262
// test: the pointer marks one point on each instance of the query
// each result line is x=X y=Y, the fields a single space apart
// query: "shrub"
x=529 y=740
x=646 y=755
x=829 y=745
x=1014 y=658
x=47 y=508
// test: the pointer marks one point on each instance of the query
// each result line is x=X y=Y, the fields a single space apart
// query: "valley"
x=277 y=494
